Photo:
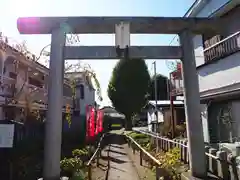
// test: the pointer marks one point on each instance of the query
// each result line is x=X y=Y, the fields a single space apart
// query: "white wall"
x=89 y=99
x=220 y=76
x=198 y=50
x=152 y=117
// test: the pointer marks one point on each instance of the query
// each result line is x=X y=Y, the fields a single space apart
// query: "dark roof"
x=109 y=109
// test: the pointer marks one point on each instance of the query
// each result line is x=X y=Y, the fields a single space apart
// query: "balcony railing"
x=37 y=93
x=7 y=86
x=223 y=48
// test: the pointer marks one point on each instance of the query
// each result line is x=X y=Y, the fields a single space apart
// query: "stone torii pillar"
x=53 y=126
x=106 y=25
x=192 y=107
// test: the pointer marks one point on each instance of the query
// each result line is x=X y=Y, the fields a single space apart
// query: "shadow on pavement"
x=117 y=152
x=112 y=159
x=119 y=147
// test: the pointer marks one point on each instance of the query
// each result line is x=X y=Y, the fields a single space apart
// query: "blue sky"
x=11 y=9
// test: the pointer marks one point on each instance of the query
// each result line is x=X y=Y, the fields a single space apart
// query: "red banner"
x=87 y=122
x=92 y=122
x=97 y=123
x=100 y=121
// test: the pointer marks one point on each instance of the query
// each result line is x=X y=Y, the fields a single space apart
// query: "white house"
x=85 y=92
x=218 y=66
x=161 y=106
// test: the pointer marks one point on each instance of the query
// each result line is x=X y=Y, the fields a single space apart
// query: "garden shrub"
x=170 y=162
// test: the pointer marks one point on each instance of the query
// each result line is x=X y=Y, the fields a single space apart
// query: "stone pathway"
x=121 y=167
x=121 y=161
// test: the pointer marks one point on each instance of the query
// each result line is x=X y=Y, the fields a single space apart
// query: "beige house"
x=24 y=83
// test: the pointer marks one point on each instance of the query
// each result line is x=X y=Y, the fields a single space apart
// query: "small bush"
x=74 y=165
x=170 y=162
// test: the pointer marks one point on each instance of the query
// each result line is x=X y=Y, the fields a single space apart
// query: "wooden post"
x=89 y=172
x=141 y=153
x=98 y=156
x=223 y=169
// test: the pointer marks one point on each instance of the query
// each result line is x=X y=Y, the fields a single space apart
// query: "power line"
x=193 y=4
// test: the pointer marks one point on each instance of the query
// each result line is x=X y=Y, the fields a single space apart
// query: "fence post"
x=157 y=144
x=222 y=165
x=141 y=154
x=133 y=148
x=185 y=152
x=98 y=156
x=169 y=145
x=212 y=161
x=175 y=144
x=207 y=161
x=161 y=144
x=182 y=150
x=89 y=172
x=233 y=167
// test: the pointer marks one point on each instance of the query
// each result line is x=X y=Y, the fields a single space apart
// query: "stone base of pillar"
x=187 y=176
x=2 y=117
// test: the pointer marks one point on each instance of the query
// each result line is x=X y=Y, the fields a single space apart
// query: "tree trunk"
x=128 y=124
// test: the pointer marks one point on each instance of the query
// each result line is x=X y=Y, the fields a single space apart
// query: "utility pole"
x=155 y=91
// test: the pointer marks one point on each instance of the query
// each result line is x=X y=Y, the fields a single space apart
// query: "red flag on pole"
x=92 y=123
x=97 y=124
x=100 y=121
x=87 y=122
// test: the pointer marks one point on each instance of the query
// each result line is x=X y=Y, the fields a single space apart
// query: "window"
x=81 y=91
x=35 y=82
x=12 y=75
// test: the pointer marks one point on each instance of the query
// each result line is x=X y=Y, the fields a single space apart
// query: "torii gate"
x=184 y=27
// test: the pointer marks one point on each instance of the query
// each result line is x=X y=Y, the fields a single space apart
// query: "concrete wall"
x=198 y=50
x=220 y=76
x=236 y=119
x=223 y=75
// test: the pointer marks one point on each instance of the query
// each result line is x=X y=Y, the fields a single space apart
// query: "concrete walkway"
x=121 y=167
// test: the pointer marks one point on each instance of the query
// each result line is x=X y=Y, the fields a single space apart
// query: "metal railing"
x=7 y=85
x=134 y=145
x=219 y=163
x=223 y=48
x=96 y=155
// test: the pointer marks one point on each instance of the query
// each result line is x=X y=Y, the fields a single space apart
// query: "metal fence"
x=219 y=163
x=27 y=141
x=96 y=156
x=135 y=146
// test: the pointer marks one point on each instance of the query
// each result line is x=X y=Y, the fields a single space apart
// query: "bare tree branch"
x=22 y=49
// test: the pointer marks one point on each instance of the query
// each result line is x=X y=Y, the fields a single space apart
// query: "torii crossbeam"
x=59 y=26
